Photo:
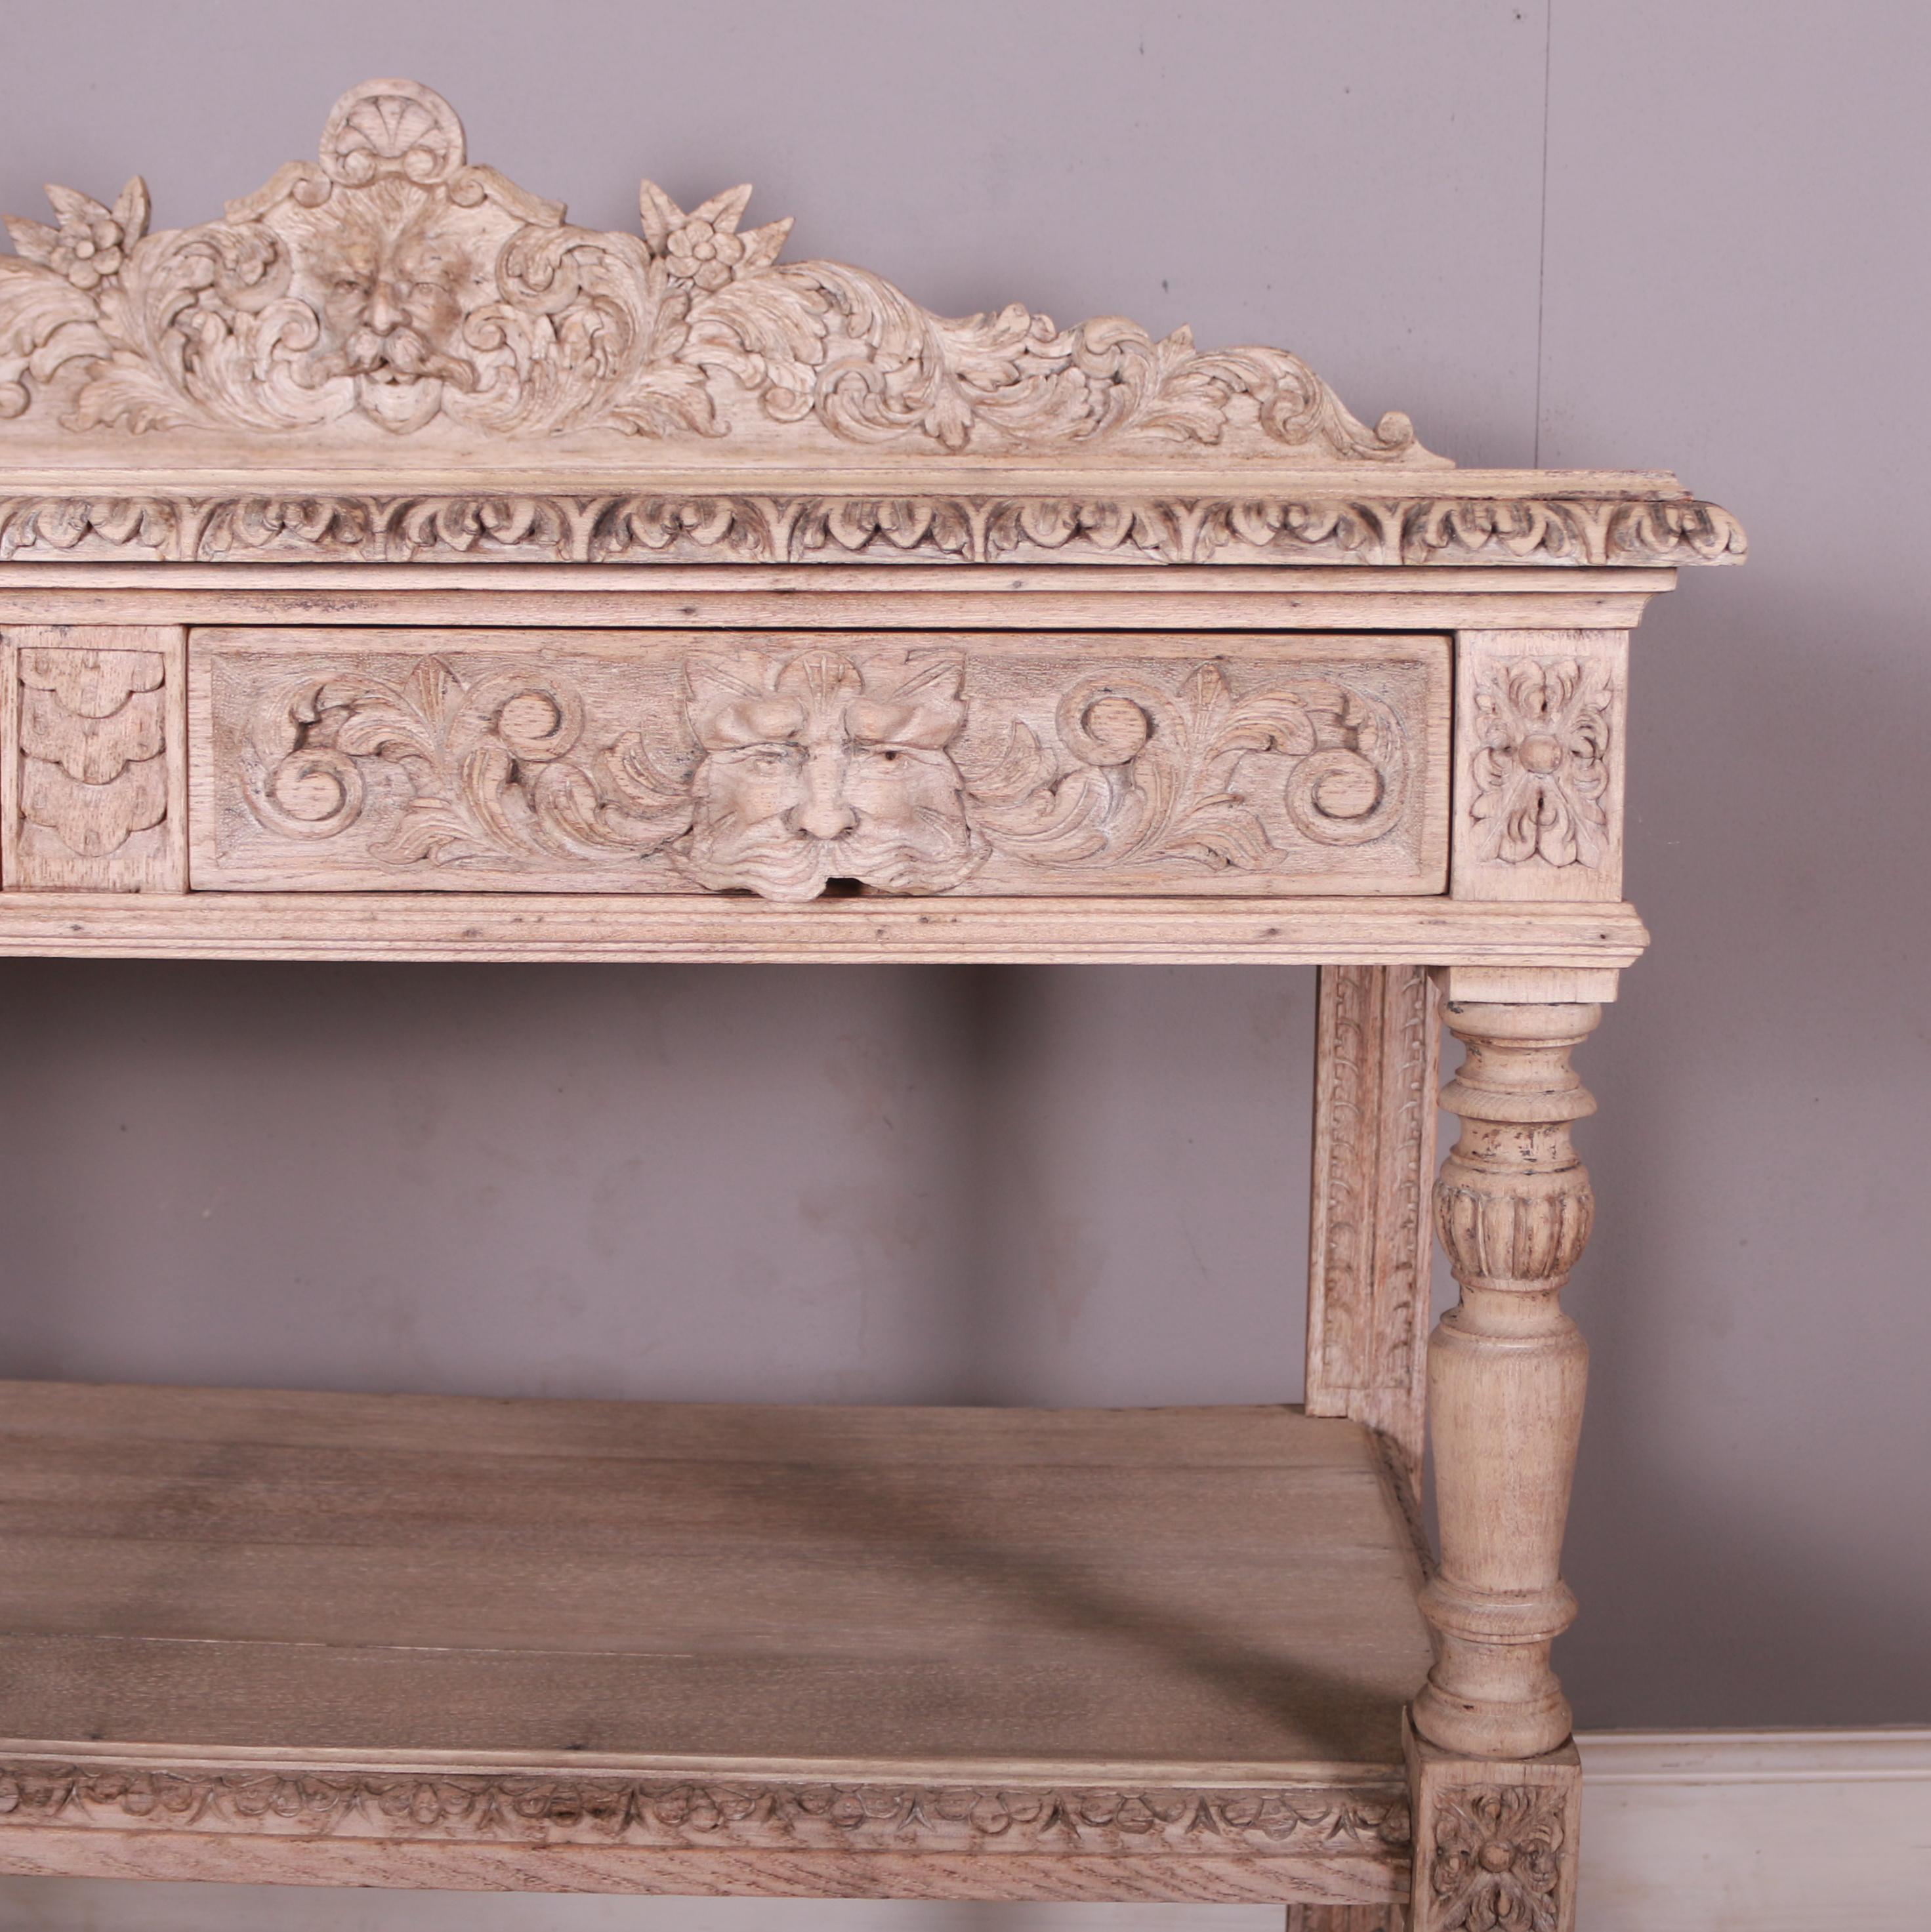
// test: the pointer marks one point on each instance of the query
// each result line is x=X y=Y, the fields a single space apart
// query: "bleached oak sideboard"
x=390 y=570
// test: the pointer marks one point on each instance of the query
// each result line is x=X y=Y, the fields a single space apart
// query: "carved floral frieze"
x=1540 y=762
x=688 y=1813
x=646 y=527
x=393 y=283
x=777 y=772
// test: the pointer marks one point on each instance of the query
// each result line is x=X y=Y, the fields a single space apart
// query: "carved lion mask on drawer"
x=822 y=766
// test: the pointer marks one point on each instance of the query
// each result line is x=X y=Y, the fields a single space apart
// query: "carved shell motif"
x=393 y=284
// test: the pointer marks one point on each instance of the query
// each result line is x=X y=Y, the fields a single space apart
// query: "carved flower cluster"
x=703 y=247
x=91 y=241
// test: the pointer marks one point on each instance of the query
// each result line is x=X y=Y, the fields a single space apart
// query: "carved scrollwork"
x=488 y=767
x=776 y=772
x=1154 y=775
x=1497 y=1864
x=395 y=283
x=676 y=1814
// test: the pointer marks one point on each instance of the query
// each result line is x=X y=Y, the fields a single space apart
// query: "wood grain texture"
x=406 y=925
x=1370 y=1241
x=953 y=1649
x=93 y=781
x=959 y=763
x=827 y=596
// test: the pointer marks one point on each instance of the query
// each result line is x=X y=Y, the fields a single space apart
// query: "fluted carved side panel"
x=642 y=762
x=96 y=761
x=1369 y=1256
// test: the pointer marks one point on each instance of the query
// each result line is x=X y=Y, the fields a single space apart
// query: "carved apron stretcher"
x=391 y=569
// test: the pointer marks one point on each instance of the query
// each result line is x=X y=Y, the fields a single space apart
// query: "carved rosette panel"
x=1539 y=792
x=656 y=763
x=1541 y=766
x=1498 y=1863
x=701 y=1813
x=94 y=778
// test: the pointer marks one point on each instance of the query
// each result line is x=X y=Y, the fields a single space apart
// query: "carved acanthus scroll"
x=394 y=284
x=776 y=772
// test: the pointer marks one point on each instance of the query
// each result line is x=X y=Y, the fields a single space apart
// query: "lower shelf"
x=965 y=1653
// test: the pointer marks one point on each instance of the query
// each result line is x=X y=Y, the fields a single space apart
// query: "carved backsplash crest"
x=393 y=282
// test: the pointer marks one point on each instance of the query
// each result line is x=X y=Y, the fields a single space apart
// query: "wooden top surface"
x=1209 y=1592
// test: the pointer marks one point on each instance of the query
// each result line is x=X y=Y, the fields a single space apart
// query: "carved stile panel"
x=670 y=763
x=1371 y=1242
x=95 y=763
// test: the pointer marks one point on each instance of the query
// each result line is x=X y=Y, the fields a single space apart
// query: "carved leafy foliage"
x=776 y=772
x=781 y=527
x=673 y=1814
x=488 y=767
x=394 y=282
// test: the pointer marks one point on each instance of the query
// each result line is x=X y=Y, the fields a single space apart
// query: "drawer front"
x=787 y=765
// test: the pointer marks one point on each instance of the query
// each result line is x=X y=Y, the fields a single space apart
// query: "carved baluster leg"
x=1506 y=1370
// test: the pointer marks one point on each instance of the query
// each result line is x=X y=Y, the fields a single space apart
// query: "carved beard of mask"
x=392 y=307
x=782 y=818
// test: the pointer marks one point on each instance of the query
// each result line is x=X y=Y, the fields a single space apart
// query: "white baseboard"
x=1682 y=1831
x=1756 y=1831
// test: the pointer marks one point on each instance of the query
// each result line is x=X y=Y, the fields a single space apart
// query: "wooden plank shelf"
x=693 y=1648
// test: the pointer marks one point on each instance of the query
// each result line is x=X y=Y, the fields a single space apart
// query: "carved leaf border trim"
x=653 y=526
x=722 y=1814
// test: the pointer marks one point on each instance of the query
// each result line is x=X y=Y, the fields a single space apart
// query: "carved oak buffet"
x=392 y=570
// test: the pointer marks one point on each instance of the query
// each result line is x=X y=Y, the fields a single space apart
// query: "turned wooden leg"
x=1495 y=1779
x=1505 y=1374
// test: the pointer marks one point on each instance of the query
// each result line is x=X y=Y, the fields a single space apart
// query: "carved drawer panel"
x=907 y=763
